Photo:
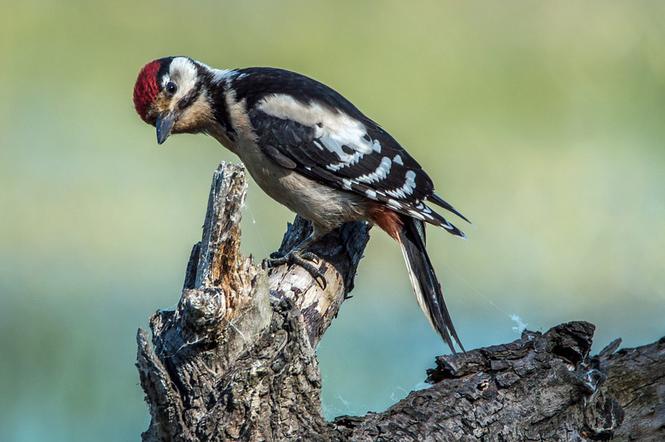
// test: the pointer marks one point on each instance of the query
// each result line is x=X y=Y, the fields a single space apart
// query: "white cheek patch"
x=183 y=73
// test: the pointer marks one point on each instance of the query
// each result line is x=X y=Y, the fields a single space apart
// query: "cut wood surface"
x=235 y=360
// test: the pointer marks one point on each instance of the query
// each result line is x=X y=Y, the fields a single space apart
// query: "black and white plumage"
x=310 y=149
x=318 y=133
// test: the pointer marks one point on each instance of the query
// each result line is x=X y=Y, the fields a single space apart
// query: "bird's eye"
x=171 y=87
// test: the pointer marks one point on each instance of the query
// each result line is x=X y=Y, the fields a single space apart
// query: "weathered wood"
x=540 y=387
x=636 y=379
x=341 y=252
x=235 y=360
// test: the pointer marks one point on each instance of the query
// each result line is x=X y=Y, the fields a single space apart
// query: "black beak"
x=164 y=125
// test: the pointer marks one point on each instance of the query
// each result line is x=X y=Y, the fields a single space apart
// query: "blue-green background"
x=542 y=121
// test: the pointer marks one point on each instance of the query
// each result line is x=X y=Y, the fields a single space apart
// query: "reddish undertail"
x=410 y=233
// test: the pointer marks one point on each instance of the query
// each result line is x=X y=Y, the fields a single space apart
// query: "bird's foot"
x=306 y=260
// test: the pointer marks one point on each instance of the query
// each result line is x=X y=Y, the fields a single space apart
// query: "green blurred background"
x=542 y=121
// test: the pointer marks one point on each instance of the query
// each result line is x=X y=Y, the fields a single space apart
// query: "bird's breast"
x=323 y=205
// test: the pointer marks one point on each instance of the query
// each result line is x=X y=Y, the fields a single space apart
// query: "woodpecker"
x=310 y=149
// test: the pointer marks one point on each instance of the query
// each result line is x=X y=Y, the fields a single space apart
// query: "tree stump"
x=235 y=360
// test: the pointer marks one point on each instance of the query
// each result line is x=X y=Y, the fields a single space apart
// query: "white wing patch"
x=347 y=138
x=394 y=204
x=332 y=128
x=408 y=187
x=342 y=164
x=379 y=174
x=355 y=157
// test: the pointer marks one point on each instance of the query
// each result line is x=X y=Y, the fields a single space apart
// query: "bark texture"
x=235 y=360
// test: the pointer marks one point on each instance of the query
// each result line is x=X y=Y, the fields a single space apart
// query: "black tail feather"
x=436 y=199
x=425 y=283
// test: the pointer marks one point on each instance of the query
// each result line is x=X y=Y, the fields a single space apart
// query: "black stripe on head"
x=191 y=97
x=204 y=78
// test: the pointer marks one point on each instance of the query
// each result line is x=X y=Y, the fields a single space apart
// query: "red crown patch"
x=146 y=89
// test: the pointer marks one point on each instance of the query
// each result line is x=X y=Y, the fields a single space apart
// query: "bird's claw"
x=302 y=259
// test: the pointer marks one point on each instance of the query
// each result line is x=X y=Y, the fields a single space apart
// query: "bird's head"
x=171 y=94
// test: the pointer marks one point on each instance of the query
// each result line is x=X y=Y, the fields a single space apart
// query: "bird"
x=313 y=151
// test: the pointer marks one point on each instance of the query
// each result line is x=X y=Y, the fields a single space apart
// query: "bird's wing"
x=354 y=154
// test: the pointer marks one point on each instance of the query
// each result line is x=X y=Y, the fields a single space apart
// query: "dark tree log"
x=235 y=360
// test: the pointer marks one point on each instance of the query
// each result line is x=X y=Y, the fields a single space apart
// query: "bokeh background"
x=542 y=121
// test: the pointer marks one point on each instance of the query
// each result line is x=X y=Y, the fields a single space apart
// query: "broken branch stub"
x=238 y=349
